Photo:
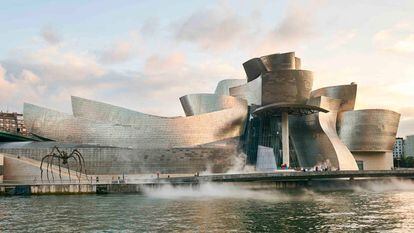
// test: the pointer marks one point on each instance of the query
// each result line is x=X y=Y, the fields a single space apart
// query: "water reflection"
x=214 y=208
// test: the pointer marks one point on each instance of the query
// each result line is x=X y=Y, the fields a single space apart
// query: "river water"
x=217 y=208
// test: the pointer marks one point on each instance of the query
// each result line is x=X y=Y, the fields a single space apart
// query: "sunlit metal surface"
x=286 y=86
x=223 y=87
x=368 y=129
x=346 y=93
x=272 y=62
x=104 y=124
x=251 y=91
x=105 y=160
x=196 y=104
x=315 y=139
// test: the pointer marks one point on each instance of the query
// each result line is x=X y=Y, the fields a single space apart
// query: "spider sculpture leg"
x=47 y=167
x=41 y=167
x=60 y=171
x=77 y=154
x=51 y=167
x=69 y=173
x=78 y=174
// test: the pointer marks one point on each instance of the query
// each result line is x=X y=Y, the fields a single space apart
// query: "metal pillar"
x=285 y=138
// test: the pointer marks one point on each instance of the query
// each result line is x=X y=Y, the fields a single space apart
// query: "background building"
x=398 y=150
x=409 y=146
x=13 y=123
x=271 y=118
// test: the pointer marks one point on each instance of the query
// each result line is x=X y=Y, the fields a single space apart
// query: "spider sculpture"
x=63 y=157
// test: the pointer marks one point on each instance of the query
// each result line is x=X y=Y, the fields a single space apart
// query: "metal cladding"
x=278 y=61
x=196 y=104
x=254 y=68
x=223 y=87
x=104 y=160
x=241 y=113
x=107 y=125
x=368 y=129
x=251 y=91
x=315 y=139
x=281 y=80
x=286 y=86
x=346 y=93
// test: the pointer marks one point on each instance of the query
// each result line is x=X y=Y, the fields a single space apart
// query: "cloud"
x=397 y=39
x=212 y=29
x=173 y=62
x=150 y=26
x=341 y=38
x=121 y=50
x=50 y=35
x=297 y=25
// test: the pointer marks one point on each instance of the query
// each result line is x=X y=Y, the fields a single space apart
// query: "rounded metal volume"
x=196 y=104
x=253 y=68
x=279 y=61
x=272 y=62
x=286 y=86
x=223 y=87
x=315 y=138
x=368 y=129
x=346 y=93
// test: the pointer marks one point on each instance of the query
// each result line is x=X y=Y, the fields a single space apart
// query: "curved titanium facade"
x=101 y=160
x=107 y=125
x=223 y=87
x=315 y=139
x=346 y=93
x=286 y=86
x=368 y=129
x=278 y=61
x=196 y=104
x=254 y=68
x=251 y=91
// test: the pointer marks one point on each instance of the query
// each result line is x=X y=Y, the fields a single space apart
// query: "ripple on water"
x=234 y=210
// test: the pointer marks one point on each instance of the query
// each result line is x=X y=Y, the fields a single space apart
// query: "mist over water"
x=374 y=206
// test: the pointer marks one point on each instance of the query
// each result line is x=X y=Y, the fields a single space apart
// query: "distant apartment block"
x=13 y=123
x=409 y=146
x=398 y=150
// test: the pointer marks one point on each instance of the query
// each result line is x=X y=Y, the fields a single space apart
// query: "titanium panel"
x=254 y=68
x=315 y=139
x=346 y=93
x=368 y=129
x=286 y=86
x=223 y=87
x=196 y=104
x=108 y=125
x=101 y=160
x=278 y=61
x=251 y=91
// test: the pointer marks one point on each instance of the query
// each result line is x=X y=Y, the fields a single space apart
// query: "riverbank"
x=274 y=180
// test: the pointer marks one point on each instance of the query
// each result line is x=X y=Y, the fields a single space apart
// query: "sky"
x=144 y=55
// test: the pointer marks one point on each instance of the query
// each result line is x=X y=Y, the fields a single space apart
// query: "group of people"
x=317 y=169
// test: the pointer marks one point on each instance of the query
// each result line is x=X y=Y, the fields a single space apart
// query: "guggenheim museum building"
x=271 y=118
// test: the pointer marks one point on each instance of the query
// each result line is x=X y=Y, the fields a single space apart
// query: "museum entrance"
x=266 y=131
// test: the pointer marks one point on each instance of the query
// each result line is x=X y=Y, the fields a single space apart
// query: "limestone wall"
x=375 y=160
